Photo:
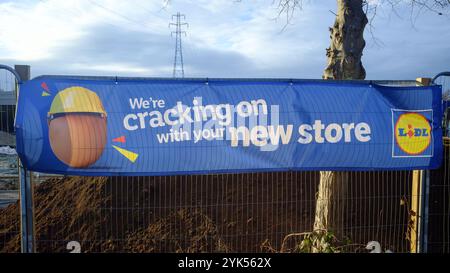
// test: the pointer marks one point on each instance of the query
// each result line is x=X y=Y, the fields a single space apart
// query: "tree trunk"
x=344 y=63
x=347 y=42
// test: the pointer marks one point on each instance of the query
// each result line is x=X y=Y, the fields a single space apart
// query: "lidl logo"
x=412 y=133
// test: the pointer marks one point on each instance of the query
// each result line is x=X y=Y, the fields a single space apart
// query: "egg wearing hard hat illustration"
x=77 y=127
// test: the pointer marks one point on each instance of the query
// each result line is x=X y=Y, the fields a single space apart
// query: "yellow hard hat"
x=76 y=99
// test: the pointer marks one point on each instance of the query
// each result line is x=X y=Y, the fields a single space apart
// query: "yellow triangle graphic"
x=128 y=154
x=45 y=94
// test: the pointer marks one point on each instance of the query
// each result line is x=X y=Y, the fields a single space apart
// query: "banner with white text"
x=120 y=126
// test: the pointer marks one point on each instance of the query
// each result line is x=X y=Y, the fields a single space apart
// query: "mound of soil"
x=62 y=205
x=73 y=209
x=214 y=213
x=194 y=231
x=204 y=213
x=9 y=229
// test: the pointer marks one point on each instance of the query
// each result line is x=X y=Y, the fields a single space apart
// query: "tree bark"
x=347 y=42
x=344 y=63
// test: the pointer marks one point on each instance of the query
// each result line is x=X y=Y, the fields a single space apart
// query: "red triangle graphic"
x=119 y=139
x=44 y=85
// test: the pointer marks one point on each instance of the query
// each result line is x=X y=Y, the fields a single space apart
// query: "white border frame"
x=393 y=132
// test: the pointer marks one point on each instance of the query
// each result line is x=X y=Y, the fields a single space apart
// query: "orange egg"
x=78 y=139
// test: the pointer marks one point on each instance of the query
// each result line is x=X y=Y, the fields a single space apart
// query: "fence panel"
x=439 y=206
x=215 y=213
x=249 y=212
x=9 y=215
x=438 y=239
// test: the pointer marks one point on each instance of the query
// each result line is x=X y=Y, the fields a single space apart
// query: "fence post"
x=424 y=210
x=26 y=211
x=417 y=198
x=26 y=189
x=415 y=210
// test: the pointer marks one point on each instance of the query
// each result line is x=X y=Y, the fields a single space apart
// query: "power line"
x=157 y=14
x=178 y=63
x=73 y=11
x=78 y=12
x=118 y=14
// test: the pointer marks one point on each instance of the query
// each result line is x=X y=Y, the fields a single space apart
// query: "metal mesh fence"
x=251 y=212
x=438 y=239
x=215 y=213
x=9 y=229
x=439 y=206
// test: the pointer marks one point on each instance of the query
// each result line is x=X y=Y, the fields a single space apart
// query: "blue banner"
x=120 y=126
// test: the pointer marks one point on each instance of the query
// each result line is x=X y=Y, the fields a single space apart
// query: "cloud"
x=107 y=50
x=225 y=39
x=29 y=34
x=409 y=49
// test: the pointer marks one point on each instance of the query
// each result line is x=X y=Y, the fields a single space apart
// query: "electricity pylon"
x=178 y=64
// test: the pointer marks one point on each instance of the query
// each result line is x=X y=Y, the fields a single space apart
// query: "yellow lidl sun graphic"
x=412 y=133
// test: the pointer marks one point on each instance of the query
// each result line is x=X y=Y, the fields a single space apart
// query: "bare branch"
x=371 y=12
x=438 y=7
x=288 y=8
x=416 y=8
x=165 y=4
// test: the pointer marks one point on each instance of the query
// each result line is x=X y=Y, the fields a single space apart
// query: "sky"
x=225 y=38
